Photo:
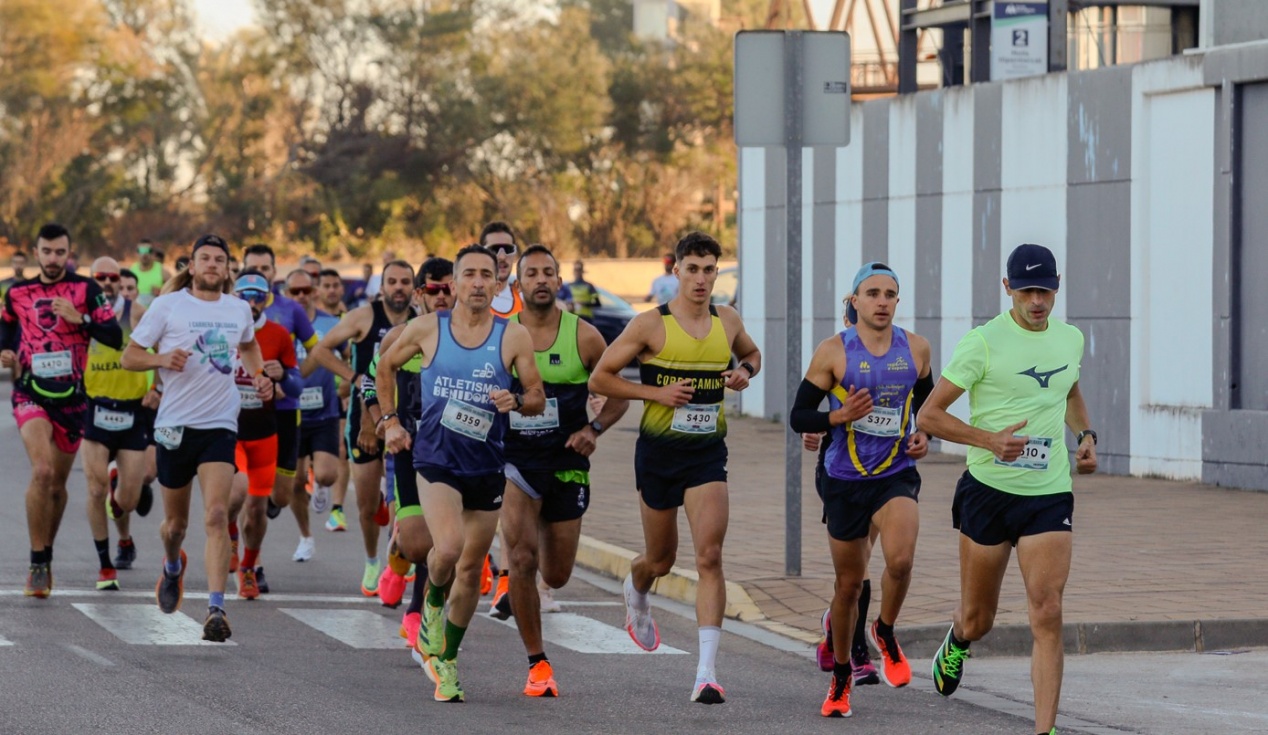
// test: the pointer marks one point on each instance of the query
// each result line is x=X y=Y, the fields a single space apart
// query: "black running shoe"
x=948 y=666
x=216 y=626
x=273 y=510
x=126 y=554
x=170 y=590
x=146 y=500
x=259 y=581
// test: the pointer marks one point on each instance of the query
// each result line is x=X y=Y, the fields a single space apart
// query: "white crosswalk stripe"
x=586 y=635
x=355 y=628
x=5 y=642
x=146 y=625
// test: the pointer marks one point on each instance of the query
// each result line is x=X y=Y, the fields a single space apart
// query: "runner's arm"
x=403 y=349
x=743 y=345
x=291 y=383
x=104 y=326
x=606 y=379
x=936 y=421
x=520 y=343
x=351 y=328
x=805 y=417
x=591 y=346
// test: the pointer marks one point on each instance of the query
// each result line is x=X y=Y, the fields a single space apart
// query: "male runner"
x=548 y=456
x=875 y=377
x=193 y=330
x=256 y=452
x=584 y=295
x=150 y=273
x=684 y=347
x=500 y=240
x=468 y=354
x=117 y=427
x=1021 y=370
x=18 y=261
x=364 y=327
x=45 y=330
x=330 y=292
x=330 y=295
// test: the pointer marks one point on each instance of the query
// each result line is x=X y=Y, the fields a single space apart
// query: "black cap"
x=214 y=241
x=1032 y=266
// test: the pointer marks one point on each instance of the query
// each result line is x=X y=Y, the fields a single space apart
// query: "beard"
x=208 y=282
x=53 y=271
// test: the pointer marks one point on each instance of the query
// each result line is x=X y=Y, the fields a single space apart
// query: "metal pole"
x=793 y=89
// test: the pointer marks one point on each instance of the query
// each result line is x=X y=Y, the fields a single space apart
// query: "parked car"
x=612 y=314
x=727 y=287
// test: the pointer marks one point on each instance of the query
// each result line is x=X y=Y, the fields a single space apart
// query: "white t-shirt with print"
x=203 y=395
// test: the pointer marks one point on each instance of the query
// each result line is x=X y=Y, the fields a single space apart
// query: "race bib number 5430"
x=695 y=418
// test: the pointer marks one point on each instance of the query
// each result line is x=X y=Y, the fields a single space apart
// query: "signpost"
x=810 y=72
x=1019 y=40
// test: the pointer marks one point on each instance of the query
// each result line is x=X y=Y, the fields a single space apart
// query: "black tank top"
x=363 y=351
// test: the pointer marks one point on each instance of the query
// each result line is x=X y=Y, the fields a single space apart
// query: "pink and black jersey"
x=48 y=346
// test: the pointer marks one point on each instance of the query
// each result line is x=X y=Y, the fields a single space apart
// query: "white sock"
x=710 y=636
x=641 y=602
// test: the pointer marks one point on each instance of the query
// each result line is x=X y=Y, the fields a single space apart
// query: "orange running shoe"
x=248 y=588
x=894 y=669
x=409 y=628
x=233 y=555
x=486 y=576
x=541 y=681
x=838 y=702
x=500 y=607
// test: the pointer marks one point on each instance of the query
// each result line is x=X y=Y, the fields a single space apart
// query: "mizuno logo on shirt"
x=1044 y=377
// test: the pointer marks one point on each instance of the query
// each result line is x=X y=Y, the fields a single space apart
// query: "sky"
x=220 y=18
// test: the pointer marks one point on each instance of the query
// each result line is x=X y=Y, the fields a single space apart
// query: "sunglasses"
x=431 y=289
x=503 y=248
x=103 y=277
x=253 y=296
x=301 y=291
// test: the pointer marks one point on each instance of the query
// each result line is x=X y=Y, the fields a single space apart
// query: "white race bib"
x=109 y=420
x=547 y=419
x=695 y=418
x=1034 y=456
x=882 y=421
x=51 y=364
x=467 y=420
x=311 y=399
x=250 y=398
x=169 y=436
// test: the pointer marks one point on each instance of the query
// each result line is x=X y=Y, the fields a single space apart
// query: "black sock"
x=860 y=625
x=536 y=658
x=334 y=508
x=40 y=557
x=841 y=671
x=48 y=554
x=957 y=642
x=420 y=587
x=103 y=552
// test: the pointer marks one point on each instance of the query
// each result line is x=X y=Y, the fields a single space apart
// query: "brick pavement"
x=1146 y=550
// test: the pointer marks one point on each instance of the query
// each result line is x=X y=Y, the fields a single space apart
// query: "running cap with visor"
x=1032 y=266
x=251 y=282
x=214 y=241
x=873 y=268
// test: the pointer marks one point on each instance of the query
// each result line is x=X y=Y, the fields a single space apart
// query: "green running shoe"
x=948 y=666
x=431 y=633
x=445 y=674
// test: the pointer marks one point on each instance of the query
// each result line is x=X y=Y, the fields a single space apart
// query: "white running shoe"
x=549 y=603
x=638 y=622
x=320 y=502
x=305 y=550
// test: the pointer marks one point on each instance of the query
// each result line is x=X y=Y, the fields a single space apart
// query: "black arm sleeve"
x=9 y=330
x=920 y=393
x=805 y=416
x=108 y=333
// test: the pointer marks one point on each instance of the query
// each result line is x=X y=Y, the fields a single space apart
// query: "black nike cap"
x=1032 y=266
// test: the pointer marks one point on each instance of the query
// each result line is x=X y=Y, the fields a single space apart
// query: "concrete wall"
x=1146 y=181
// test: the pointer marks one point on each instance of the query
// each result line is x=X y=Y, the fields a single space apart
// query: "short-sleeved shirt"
x=665 y=287
x=49 y=346
x=320 y=400
x=203 y=395
x=1012 y=374
x=292 y=317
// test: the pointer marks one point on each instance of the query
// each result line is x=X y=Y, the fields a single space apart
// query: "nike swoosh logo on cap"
x=1032 y=267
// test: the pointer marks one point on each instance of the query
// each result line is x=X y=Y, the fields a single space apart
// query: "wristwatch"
x=87 y=319
x=749 y=368
x=519 y=401
x=1086 y=432
x=598 y=427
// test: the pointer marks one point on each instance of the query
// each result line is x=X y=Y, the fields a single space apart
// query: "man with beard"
x=45 y=330
x=364 y=327
x=500 y=239
x=18 y=261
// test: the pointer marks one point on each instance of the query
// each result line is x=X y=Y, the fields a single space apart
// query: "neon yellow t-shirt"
x=1013 y=374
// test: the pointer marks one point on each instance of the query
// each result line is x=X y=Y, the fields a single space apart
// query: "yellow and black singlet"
x=702 y=422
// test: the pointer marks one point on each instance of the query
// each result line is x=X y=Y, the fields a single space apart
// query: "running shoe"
x=639 y=623
x=273 y=511
x=948 y=665
x=708 y=690
x=824 y=651
x=304 y=552
x=548 y=602
x=370 y=579
x=248 y=587
x=412 y=574
x=445 y=674
x=431 y=631
x=216 y=626
x=170 y=590
x=894 y=669
x=862 y=668
x=126 y=554
x=146 y=501
x=114 y=511
x=486 y=576
x=320 y=500
x=108 y=579
x=838 y=702
x=233 y=555
x=541 y=681
x=381 y=516
x=260 y=581
x=336 y=522
x=409 y=628
x=500 y=607
x=391 y=587
x=39 y=581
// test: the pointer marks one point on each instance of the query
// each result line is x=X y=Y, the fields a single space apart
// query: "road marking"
x=149 y=595
x=85 y=653
x=586 y=635
x=146 y=625
x=354 y=628
x=5 y=642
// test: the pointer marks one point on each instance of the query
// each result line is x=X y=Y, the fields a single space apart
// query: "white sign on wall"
x=1019 y=40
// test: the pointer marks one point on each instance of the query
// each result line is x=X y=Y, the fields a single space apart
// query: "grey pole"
x=793 y=91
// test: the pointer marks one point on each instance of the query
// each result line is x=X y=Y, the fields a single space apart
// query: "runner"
x=584 y=295
x=548 y=456
x=364 y=327
x=1017 y=490
x=18 y=261
x=330 y=292
x=150 y=273
x=875 y=377
x=499 y=238
x=45 y=330
x=117 y=428
x=126 y=554
x=684 y=347
x=468 y=354
x=193 y=329
x=319 y=421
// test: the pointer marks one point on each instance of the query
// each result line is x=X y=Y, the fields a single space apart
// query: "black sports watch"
x=749 y=368
x=519 y=401
x=598 y=427
x=1086 y=432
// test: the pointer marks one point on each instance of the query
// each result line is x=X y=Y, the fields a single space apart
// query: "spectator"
x=18 y=261
x=665 y=286
x=150 y=275
x=584 y=295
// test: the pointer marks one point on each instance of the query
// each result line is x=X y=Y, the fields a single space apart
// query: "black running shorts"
x=848 y=505
x=287 y=441
x=320 y=437
x=990 y=517
x=177 y=467
x=479 y=492
x=118 y=425
x=663 y=478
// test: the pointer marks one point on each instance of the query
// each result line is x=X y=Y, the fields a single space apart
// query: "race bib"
x=169 y=436
x=882 y=421
x=467 y=420
x=311 y=399
x=547 y=419
x=109 y=420
x=250 y=398
x=1034 y=456
x=51 y=364
x=695 y=418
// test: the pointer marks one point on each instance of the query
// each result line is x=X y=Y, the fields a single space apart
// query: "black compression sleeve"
x=920 y=393
x=805 y=416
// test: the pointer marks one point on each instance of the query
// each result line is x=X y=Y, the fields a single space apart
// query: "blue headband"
x=251 y=282
x=874 y=268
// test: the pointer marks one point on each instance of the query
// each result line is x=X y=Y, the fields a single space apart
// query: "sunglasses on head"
x=301 y=291
x=103 y=277
x=504 y=248
x=431 y=289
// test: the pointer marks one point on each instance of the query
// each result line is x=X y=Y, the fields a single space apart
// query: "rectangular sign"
x=1019 y=40
x=762 y=112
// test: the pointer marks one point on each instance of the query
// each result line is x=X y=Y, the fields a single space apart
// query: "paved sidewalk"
x=1158 y=565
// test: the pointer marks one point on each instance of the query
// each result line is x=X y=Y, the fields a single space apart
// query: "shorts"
x=479 y=492
x=565 y=494
x=118 y=425
x=319 y=437
x=67 y=420
x=287 y=441
x=178 y=467
x=350 y=432
x=848 y=505
x=405 y=484
x=990 y=517
x=664 y=477
x=257 y=459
